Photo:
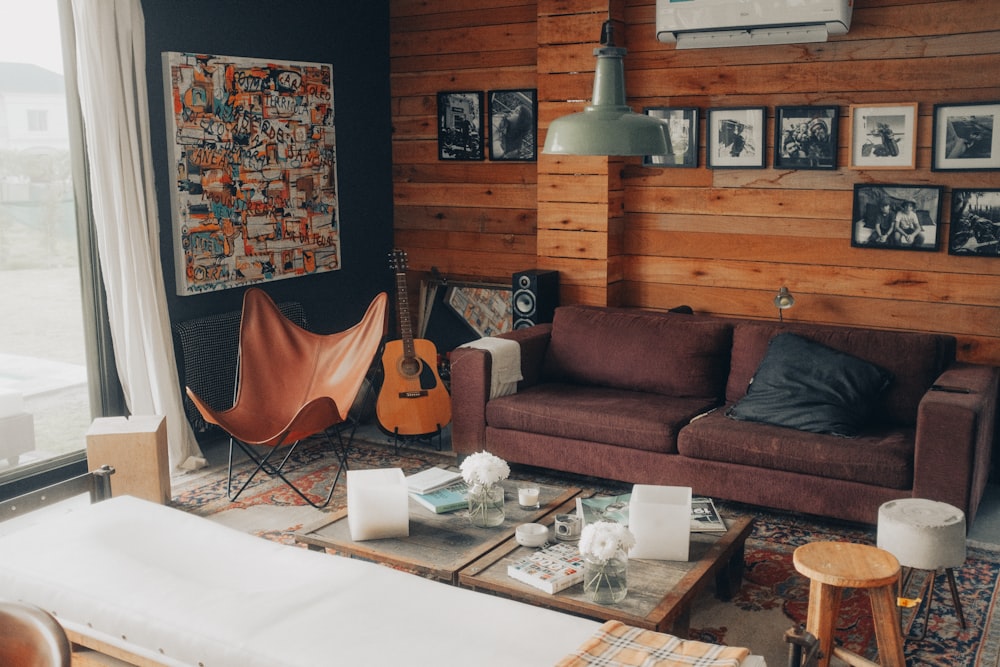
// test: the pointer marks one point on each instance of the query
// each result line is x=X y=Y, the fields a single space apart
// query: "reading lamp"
x=608 y=126
x=783 y=300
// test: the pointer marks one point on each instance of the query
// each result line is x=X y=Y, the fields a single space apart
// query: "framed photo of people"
x=683 y=131
x=883 y=136
x=513 y=125
x=735 y=138
x=460 y=125
x=975 y=223
x=896 y=217
x=805 y=137
x=963 y=138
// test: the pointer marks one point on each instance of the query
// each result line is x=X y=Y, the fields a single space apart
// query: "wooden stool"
x=832 y=566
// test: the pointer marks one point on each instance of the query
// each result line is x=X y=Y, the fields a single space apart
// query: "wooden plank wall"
x=722 y=241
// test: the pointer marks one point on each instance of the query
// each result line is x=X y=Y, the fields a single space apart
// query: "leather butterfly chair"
x=30 y=637
x=292 y=384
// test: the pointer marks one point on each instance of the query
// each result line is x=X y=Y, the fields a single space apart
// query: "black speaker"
x=535 y=297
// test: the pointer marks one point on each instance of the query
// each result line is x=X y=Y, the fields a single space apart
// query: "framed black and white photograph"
x=883 y=136
x=963 y=137
x=735 y=138
x=683 y=131
x=460 y=125
x=805 y=137
x=896 y=217
x=513 y=125
x=975 y=223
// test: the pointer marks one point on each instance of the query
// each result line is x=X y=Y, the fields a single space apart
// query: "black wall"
x=354 y=37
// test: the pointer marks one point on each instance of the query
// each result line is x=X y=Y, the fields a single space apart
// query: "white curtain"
x=111 y=67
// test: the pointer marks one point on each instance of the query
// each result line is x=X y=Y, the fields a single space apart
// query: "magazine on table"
x=552 y=569
x=705 y=518
x=431 y=479
x=448 y=499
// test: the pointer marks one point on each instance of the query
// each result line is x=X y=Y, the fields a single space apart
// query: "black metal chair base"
x=265 y=464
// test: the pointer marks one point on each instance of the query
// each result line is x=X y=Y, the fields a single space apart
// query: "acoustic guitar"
x=412 y=400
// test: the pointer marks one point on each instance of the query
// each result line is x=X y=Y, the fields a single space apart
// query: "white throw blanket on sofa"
x=506 y=364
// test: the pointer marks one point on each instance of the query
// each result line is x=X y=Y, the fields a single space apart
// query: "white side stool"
x=924 y=535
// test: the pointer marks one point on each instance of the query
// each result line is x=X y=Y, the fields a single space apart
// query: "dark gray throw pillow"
x=807 y=386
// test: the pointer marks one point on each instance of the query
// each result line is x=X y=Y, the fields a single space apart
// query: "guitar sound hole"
x=409 y=366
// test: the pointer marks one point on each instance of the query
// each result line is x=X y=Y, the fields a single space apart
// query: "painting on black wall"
x=896 y=217
x=254 y=194
x=460 y=125
x=975 y=223
x=513 y=125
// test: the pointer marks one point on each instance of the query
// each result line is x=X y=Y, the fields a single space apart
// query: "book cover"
x=704 y=517
x=431 y=479
x=604 y=508
x=552 y=569
x=448 y=499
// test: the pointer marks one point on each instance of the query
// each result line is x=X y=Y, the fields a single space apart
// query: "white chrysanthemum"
x=602 y=539
x=484 y=468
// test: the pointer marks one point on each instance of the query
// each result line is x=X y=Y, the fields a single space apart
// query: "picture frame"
x=975 y=223
x=683 y=131
x=896 y=217
x=963 y=137
x=805 y=137
x=513 y=125
x=460 y=125
x=883 y=136
x=735 y=138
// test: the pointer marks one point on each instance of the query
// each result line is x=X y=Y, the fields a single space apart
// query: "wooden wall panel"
x=722 y=241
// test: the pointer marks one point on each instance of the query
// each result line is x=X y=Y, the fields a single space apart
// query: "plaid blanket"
x=617 y=645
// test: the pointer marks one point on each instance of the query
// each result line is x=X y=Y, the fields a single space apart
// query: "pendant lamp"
x=608 y=126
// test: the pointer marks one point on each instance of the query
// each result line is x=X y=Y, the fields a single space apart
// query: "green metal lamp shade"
x=608 y=126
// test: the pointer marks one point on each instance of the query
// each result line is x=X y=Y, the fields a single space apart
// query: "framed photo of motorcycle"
x=805 y=137
x=883 y=136
x=963 y=137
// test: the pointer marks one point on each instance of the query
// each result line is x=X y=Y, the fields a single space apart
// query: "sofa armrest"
x=956 y=423
x=471 y=370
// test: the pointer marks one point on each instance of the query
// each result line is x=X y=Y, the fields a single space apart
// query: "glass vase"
x=486 y=505
x=606 y=581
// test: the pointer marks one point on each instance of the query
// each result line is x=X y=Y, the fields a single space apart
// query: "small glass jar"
x=606 y=581
x=486 y=505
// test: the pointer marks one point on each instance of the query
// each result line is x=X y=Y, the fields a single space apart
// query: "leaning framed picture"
x=975 y=223
x=735 y=138
x=460 y=125
x=682 y=123
x=963 y=137
x=513 y=124
x=805 y=137
x=896 y=217
x=883 y=136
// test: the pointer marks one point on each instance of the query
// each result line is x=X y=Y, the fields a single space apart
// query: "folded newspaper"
x=705 y=518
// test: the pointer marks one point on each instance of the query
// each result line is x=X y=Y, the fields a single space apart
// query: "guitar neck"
x=403 y=305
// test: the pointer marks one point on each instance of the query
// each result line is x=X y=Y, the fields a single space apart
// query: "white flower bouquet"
x=483 y=473
x=601 y=540
x=484 y=469
x=604 y=546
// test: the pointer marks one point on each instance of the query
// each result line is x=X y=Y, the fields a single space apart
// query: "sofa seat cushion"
x=811 y=387
x=882 y=456
x=597 y=414
x=665 y=353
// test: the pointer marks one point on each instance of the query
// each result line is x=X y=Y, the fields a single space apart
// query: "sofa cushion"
x=640 y=420
x=669 y=354
x=882 y=456
x=811 y=387
x=914 y=359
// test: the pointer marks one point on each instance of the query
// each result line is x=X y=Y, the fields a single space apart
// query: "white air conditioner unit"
x=698 y=24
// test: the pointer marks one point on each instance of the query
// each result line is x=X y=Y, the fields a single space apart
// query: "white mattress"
x=186 y=591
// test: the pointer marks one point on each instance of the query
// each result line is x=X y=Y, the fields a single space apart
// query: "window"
x=38 y=120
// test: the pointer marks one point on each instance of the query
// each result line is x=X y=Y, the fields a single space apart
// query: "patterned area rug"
x=773 y=597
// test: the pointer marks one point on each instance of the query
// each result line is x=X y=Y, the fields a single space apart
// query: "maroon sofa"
x=646 y=397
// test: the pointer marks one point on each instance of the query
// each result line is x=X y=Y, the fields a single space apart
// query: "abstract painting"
x=253 y=155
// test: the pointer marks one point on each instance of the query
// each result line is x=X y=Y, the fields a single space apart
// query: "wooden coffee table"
x=439 y=545
x=660 y=593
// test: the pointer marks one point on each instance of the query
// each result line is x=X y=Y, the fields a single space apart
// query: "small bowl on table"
x=531 y=534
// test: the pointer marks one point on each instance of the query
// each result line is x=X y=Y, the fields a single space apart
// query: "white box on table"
x=660 y=519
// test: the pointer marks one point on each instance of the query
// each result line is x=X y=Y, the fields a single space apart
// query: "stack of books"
x=438 y=490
